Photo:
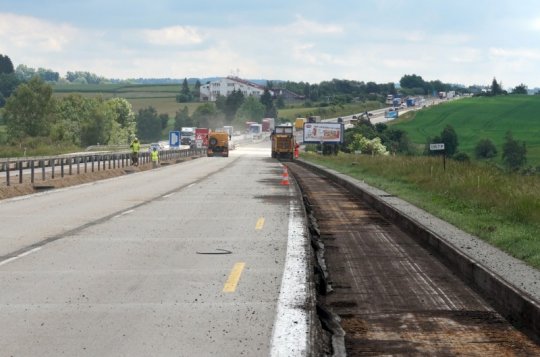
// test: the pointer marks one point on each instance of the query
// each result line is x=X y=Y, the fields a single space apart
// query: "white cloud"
x=535 y=24
x=174 y=35
x=518 y=53
x=301 y=27
x=21 y=33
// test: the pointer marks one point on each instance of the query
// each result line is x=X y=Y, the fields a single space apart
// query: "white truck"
x=187 y=136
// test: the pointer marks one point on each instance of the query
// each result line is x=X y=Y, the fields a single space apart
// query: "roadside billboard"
x=323 y=133
x=201 y=138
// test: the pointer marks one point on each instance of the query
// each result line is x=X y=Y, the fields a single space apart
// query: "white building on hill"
x=225 y=86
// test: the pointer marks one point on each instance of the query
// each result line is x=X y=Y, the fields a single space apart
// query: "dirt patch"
x=39 y=185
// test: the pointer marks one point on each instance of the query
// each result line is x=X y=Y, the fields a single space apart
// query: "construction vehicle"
x=218 y=144
x=283 y=142
x=299 y=123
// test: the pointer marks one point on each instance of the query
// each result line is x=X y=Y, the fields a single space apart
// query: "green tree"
x=125 y=125
x=185 y=95
x=521 y=89
x=148 y=124
x=412 y=81
x=98 y=126
x=197 y=90
x=205 y=116
x=450 y=140
x=25 y=73
x=232 y=103
x=6 y=66
x=250 y=110
x=485 y=149
x=28 y=110
x=182 y=119
x=514 y=154
x=164 y=119
x=8 y=83
x=496 y=88
x=270 y=110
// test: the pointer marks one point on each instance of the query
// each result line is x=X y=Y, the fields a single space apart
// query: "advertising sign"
x=323 y=133
x=201 y=137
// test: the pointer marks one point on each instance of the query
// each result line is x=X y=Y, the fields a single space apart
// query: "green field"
x=479 y=118
x=334 y=111
x=501 y=208
x=161 y=97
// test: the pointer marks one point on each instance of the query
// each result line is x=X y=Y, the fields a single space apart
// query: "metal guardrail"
x=82 y=163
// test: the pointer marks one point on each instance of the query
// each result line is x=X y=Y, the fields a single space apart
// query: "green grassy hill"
x=479 y=118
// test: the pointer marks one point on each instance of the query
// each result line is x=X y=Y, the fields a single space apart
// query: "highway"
x=184 y=260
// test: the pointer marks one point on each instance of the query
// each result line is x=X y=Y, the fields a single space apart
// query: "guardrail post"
x=52 y=161
x=109 y=159
x=7 y=172
x=70 y=166
x=85 y=158
x=78 y=164
x=20 y=164
x=42 y=164
x=92 y=160
x=61 y=167
x=32 y=171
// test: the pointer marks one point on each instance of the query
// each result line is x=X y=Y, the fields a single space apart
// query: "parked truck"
x=268 y=124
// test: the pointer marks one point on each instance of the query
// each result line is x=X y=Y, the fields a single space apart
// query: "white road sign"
x=434 y=147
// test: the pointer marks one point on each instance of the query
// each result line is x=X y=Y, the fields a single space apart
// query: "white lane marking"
x=291 y=327
x=20 y=256
x=191 y=185
x=169 y=195
x=8 y=260
x=124 y=213
x=28 y=252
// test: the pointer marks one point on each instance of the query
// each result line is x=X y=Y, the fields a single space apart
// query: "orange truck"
x=218 y=144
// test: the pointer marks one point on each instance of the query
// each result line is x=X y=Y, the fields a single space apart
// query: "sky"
x=462 y=42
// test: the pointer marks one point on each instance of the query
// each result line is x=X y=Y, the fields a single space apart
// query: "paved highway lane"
x=185 y=260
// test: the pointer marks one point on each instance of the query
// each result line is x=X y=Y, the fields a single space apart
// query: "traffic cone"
x=285 y=176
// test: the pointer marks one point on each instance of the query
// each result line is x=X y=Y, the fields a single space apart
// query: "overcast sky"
x=467 y=42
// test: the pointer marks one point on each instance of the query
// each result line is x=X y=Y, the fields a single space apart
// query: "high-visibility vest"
x=154 y=155
x=135 y=146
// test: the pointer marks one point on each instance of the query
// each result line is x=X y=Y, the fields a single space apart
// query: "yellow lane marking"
x=260 y=224
x=234 y=277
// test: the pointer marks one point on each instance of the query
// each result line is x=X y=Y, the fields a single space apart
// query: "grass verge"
x=502 y=209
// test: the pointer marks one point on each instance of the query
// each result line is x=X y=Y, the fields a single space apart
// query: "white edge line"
x=168 y=195
x=28 y=252
x=20 y=255
x=291 y=327
x=124 y=213
x=8 y=260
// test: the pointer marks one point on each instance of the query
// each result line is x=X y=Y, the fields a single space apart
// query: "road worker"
x=135 y=148
x=296 y=150
x=155 y=157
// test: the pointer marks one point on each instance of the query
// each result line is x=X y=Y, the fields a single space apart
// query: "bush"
x=462 y=157
x=485 y=149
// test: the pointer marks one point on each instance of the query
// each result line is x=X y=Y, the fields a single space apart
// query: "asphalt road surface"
x=184 y=260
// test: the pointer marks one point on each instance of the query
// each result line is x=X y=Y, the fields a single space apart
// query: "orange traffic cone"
x=285 y=176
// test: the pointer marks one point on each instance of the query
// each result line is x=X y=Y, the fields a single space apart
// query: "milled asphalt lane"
x=512 y=270
x=127 y=267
